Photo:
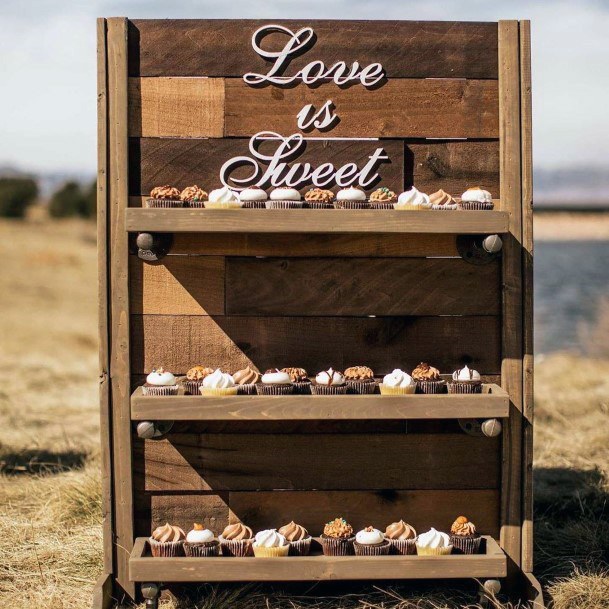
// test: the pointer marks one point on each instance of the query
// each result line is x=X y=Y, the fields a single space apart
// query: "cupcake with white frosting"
x=371 y=542
x=223 y=198
x=218 y=384
x=351 y=198
x=253 y=198
x=201 y=542
x=270 y=544
x=398 y=382
x=465 y=380
x=160 y=382
x=284 y=198
x=329 y=382
x=476 y=198
x=433 y=543
x=413 y=200
x=275 y=382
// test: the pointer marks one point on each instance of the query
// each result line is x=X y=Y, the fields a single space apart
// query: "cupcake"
x=360 y=379
x=433 y=543
x=476 y=198
x=398 y=383
x=428 y=379
x=246 y=380
x=337 y=538
x=463 y=536
x=160 y=382
x=371 y=542
x=298 y=538
x=319 y=198
x=402 y=538
x=218 y=383
x=275 y=382
x=253 y=198
x=465 y=380
x=270 y=544
x=383 y=198
x=164 y=196
x=413 y=200
x=193 y=196
x=351 y=198
x=299 y=379
x=194 y=379
x=329 y=382
x=201 y=542
x=284 y=198
x=442 y=201
x=223 y=198
x=167 y=541
x=236 y=540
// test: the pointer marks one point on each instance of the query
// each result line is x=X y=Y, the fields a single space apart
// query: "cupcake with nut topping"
x=246 y=380
x=329 y=382
x=160 y=382
x=164 y=197
x=275 y=382
x=360 y=379
x=319 y=198
x=300 y=380
x=398 y=382
x=236 y=540
x=167 y=541
x=337 y=538
x=284 y=198
x=402 y=538
x=193 y=196
x=201 y=542
x=298 y=538
x=464 y=537
x=442 y=201
x=371 y=542
x=253 y=198
x=383 y=198
x=194 y=379
x=476 y=198
x=465 y=380
x=218 y=384
x=428 y=379
x=351 y=198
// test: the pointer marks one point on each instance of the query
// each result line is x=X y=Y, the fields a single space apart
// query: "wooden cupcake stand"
x=315 y=288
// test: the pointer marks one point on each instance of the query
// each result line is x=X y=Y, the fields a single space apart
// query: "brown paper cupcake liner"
x=202 y=550
x=166 y=549
x=361 y=387
x=465 y=544
x=302 y=387
x=239 y=548
x=476 y=206
x=383 y=205
x=196 y=204
x=405 y=547
x=161 y=390
x=163 y=203
x=464 y=387
x=263 y=389
x=246 y=389
x=301 y=547
x=284 y=204
x=431 y=386
x=328 y=389
x=351 y=205
x=191 y=387
x=318 y=205
x=333 y=546
x=254 y=204
x=380 y=549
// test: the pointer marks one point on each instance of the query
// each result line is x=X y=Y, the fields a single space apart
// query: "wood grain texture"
x=360 y=286
x=233 y=342
x=183 y=162
x=166 y=106
x=219 y=462
x=177 y=285
x=181 y=47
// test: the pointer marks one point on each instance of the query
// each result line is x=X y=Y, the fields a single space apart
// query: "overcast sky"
x=48 y=80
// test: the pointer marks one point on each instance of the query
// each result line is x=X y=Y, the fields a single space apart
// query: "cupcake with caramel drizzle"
x=298 y=537
x=383 y=198
x=164 y=196
x=319 y=198
x=464 y=537
x=193 y=196
x=236 y=540
x=428 y=379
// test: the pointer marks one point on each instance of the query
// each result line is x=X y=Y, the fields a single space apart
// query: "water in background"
x=571 y=295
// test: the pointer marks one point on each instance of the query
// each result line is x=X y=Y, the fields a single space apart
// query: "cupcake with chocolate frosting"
x=442 y=201
x=329 y=382
x=236 y=540
x=463 y=536
x=383 y=198
x=193 y=196
x=201 y=542
x=351 y=198
x=300 y=380
x=428 y=379
x=160 y=382
x=476 y=198
x=402 y=538
x=275 y=382
x=371 y=542
x=165 y=197
x=253 y=198
x=465 y=380
x=284 y=198
x=337 y=538
x=246 y=380
x=298 y=537
x=194 y=379
x=319 y=198
x=167 y=541
x=360 y=379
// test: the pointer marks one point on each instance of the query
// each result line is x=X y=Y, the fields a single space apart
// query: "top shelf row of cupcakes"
x=474 y=198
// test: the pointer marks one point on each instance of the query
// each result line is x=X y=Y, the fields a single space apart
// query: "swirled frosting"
x=223 y=195
x=247 y=376
x=330 y=377
x=297 y=375
x=168 y=532
x=351 y=194
x=319 y=195
x=477 y=195
x=338 y=528
x=165 y=192
x=369 y=536
x=218 y=380
x=253 y=194
x=433 y=539
x=463 y=527
x=198 y=373
x=237 y=532
x=199 y=534
x=441 y=198
x=359 y=373
x=275 y=376
x=383 y=195
x=466 y=374
x=400 y=531
x=285 y=194
x=270 y=538
x=425 y=372
x=415 y=198
x=161 y=378
x=293 y=532
x=398 y=378
x=193 y=193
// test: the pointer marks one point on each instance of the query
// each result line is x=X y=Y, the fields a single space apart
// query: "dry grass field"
x=50 y=533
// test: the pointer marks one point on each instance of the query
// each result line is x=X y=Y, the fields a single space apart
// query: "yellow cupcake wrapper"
x=212 y=391
x=260 y=552
x=232 y=205
x=434 y=551
x=385 y=390
x=408 y=207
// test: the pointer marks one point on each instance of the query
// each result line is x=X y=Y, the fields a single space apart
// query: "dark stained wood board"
x=222 y=47
x=231 y=342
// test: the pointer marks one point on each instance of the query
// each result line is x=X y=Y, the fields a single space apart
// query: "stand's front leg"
x=151 y=593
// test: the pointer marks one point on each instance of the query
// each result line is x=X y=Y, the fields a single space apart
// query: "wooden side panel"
x=232 y=342
x=405 y=48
